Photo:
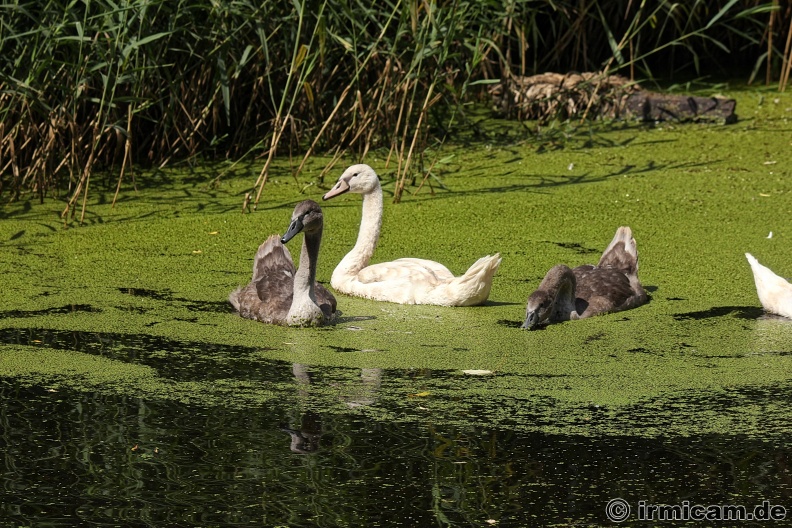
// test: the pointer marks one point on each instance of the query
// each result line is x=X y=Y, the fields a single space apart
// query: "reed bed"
x=90 y=87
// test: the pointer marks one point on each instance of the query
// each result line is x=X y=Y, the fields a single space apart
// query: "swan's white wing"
x=435 y=268
x=417 y=271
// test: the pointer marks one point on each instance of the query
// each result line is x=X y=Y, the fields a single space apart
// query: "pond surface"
x=132 y=395
x=76 y=458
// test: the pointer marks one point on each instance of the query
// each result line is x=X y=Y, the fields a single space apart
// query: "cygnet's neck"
x=370 y=224
x=304 y=308
x=563 y=291
x=306 y=274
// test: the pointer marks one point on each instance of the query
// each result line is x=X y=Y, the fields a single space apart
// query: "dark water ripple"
x=80 y=459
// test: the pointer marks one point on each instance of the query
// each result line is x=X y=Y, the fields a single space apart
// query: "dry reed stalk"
x=127 y=154
x=786 y=64
x=85 y=194
x=84 y=178
x=219 y=79
x=406 y=129
x=428 y=172
x=606 y=69
x=400 y=185
x=367 y=118
x=770 y=44
x=379 y=94
x=264 y=174
x=508 y=22
x=523 y=47
x=576 y=32
x=324 y=127
x=190 y=146
x=393 y=141
x=3 y=166
x=339 y=152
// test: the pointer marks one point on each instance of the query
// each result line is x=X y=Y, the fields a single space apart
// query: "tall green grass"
x=88 y=84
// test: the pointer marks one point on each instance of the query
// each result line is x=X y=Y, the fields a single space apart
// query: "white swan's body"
x=774 y=292
x=405 y=280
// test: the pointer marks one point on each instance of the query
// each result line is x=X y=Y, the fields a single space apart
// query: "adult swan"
x=405 y=280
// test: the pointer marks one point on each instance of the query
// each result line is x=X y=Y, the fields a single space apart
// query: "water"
x=77 y=459
x=339 y=446
x=133 y=396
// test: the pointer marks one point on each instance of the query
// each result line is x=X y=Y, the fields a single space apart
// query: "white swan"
x=279 y=294
x=775 y=293
x=405 y=280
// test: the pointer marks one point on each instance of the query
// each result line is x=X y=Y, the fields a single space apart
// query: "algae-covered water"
x=134 y=396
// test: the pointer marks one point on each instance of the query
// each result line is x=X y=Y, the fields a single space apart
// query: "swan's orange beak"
x=340 y=187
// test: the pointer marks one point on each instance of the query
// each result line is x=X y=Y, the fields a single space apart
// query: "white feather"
x=774 y=292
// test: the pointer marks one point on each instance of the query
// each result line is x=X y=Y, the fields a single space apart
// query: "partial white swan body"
x=775 y=293
x=405 y=280
x=279 y=294
x=611 y=286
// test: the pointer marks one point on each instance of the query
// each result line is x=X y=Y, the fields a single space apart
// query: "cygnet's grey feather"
x=610 y=286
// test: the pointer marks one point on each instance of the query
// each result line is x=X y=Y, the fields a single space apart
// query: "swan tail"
x=763 y=274
x=474 y=286
x=233 y=298
x=272 y=253
x=622 y=253
x=775 y=292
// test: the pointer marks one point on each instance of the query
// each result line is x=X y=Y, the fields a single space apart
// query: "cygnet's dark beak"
x=340 y=187
x=531 y=321
x=295 y=227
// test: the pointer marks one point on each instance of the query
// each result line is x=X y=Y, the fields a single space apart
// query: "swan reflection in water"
x=362 y=392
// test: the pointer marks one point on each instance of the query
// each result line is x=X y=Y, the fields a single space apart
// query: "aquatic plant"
x=87 y=85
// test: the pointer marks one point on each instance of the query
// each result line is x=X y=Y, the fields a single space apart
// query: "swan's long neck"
x=304 y=309
x=369 y=233
x=306 y=273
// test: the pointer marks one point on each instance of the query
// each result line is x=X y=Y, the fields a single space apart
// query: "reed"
x=102 y=87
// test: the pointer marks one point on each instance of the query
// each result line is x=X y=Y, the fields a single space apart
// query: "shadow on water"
x=576 y=247
x=72 y=458
x=533 y=182
x=190 y=304
x=540 y=183
x=343 y=349
x=192 y=360
x=740 y=312
x=69 y=308
x=178 y=360
x=508 y=323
